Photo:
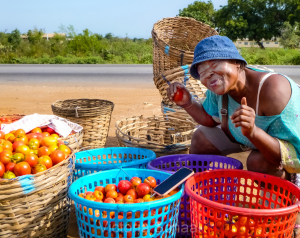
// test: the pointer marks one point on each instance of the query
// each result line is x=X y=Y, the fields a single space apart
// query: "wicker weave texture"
x=179 y=74
x=174 y=40
x=94 y=115
x=162 y=135
x=73 y=141
x=36 y=205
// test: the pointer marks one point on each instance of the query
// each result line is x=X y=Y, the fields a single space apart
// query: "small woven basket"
x=162 y=135
x=174 y=41
x=93 y=115
x=37 y=205
x=182 y=75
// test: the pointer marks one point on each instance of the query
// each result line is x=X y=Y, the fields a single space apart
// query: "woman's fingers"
x=242 y=110
x=243 y=124
x=242 y=118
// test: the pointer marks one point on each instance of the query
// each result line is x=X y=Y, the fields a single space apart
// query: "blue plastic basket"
x=197 y=163
x=96 y=160
x=159 y=218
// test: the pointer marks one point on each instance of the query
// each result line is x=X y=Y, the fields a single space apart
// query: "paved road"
x=97 y=73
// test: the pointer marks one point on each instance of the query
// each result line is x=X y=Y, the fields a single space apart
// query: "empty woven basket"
x=174 y=41
x=179 y=74
x=162 y=135
x=93 y=115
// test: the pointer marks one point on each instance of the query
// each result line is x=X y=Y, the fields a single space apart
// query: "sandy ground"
x=129 y=99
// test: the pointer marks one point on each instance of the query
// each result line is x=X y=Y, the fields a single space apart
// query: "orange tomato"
x=109 y=187
x=7 y=145
x=11 y=139
x=22 y=138
x=150 y=181
x=109 y=200
x=112 y=194
x=16 y=144
x=36 y=130
x=128 y=198
x=19 y=132
x=45 y=160
x=39 y=168
x=65 y=149
x=2 y=135
x=101 y=189
x=46 y=134
x=31 y=159
x=98 y=195
x=57 y=156
x=135 y=181
x=22 y=168
x=8 y=135
x=132 y=193
x=90 y=197
x=48 y=141
x=43 y=151
x=23 y=149
x=5 y=157
x=53 y=148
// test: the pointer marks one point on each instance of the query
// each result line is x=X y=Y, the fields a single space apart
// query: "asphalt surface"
x=98 y=73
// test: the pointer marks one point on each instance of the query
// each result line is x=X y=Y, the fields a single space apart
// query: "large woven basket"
x=179 y=74
x=174 y=41
x=93 y=115
x=162 y=135
x=36 y=205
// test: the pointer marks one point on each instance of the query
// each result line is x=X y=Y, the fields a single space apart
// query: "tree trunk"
x=260 y=45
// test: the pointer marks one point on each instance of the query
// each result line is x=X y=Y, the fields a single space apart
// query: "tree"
x=289 y=37
x=109 y=36
x=69 y=30
x=201 y=11
x=254 y=19
x=35 y=36
x=15 y=38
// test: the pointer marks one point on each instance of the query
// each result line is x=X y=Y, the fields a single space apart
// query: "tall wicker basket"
x=37 y=205
x=94 y=115
x=174 y=41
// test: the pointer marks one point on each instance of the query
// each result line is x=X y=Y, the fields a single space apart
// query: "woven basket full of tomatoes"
x=35 y=173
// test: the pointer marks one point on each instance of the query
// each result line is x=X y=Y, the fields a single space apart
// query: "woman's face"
x=219 y=76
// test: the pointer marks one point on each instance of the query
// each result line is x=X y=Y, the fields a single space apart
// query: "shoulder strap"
x=224 y=124
x=259 y=88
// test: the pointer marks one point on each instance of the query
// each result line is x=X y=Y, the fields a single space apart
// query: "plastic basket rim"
x=152 y=156
x=149 y=166
x=240 y=210
x=122 y=207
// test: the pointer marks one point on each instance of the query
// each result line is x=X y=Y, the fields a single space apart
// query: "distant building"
x=273 y=43
x=46 y=36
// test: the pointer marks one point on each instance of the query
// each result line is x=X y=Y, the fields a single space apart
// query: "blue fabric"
x=211 y=48
x=167 y=49
x=285 y=126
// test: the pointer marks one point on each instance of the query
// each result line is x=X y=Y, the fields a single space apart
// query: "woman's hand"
x=244 y=117
x=172 y=90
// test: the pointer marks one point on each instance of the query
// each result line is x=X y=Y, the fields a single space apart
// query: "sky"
x=131 y=18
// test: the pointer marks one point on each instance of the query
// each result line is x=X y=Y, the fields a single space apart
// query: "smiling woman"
x=257 y=110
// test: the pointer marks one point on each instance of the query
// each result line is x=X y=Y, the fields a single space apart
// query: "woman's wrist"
x=188 y=104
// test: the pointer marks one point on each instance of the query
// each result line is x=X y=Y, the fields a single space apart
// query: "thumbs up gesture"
x=244 y=117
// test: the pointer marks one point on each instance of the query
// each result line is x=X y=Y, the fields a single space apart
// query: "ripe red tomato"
x=132 y=193
x=10 y=167
x=5 y=157
x=49 y=130
x=36 y=130
x=65 y=149
x=109 y=187
x=124 y=186
x=23 y=149
x=178 y=95
x=150 y=181
x=22 y=168
x=2 y=169
x=109 y=200
x=31 y=159
x=2 y=134
x=38 y=168
x=46 y=160
x=143 y=189
x=43 y=151
x=57 y=156
x=16 y=144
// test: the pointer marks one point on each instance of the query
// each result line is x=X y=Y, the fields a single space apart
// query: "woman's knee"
x=201 y=145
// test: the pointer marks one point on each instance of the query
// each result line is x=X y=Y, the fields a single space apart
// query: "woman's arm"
x=194 y=109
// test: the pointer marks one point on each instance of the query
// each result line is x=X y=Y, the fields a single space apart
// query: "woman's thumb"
x=244 y=101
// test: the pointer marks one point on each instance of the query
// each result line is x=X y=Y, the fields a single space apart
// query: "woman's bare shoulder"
x=274 y=95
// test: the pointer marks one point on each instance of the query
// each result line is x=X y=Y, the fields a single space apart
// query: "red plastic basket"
x=239 y=203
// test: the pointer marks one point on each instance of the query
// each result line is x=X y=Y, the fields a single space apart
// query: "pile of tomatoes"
x=133 y=191
x=8 y=120
x=31 y=153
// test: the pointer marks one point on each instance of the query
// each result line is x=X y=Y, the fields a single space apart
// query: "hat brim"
x=193 y=69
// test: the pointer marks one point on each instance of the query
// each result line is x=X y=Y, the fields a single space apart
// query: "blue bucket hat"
x=211 y=48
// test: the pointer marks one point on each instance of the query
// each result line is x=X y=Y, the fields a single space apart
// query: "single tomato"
x=49 y=130
x=2 y=135
x=43 y=151
x=53 y=148
x=135 y=181
x=143 y=189
x=132 y=193
x=178 y=95
x=112 y=194
x=60 y=142
x=101 y=189
x=98 y=195
x=48 y=141
x=139 y=200
x=33 y=144
x=46 y=134
x=5 y=156
x=55 y=136
x=23 y=149
x=7 y=145
x=9 y=135
x=39 y=168
x=57 y=156
x=45 y=160
x=22 y=138
x=2 y=169
x=124 y=186
x=128 y=198
x=36 y=130
x=22 y=168
x=11 y=139
x=119 y=199
x=90 y=197
x=16 y=144
x=65 y=149
x=38 y=136
x=109 y=187
x=31 y=159
x=19 y=132
x=17 y=158
x=10 y=167
x=109 y=200
x=150 y=181
x=9 y=175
